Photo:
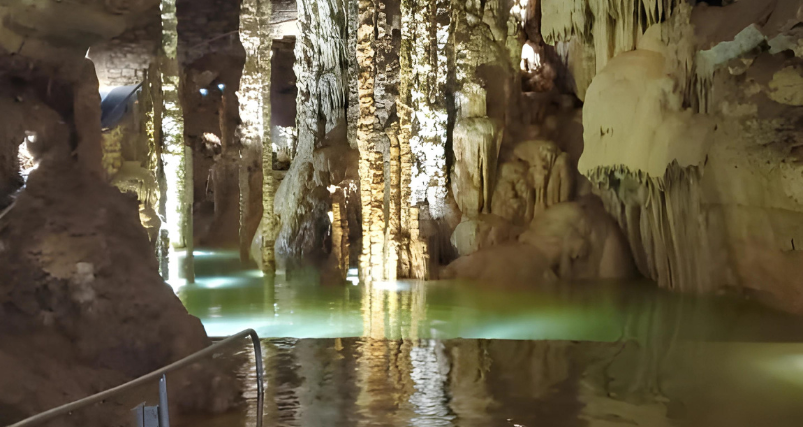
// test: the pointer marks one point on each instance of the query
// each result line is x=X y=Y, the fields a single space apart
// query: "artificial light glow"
x=394 y=286
x=204 y=91
x=25 y=158
x=211 y=138
x=221 y=86
x=530 y=59
x=331 y=217
x=30 y=137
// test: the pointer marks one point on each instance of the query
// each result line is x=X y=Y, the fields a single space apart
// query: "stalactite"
x=610 y=26
x=660 y=216
x=345 y=260
x=176 y=155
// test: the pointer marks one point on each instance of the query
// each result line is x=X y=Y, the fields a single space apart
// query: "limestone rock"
x=483 y=232
x=512 y=198
x=649 y=128
x=581 y=241
x=706 y=196
x=475 y=160
x=505 y=264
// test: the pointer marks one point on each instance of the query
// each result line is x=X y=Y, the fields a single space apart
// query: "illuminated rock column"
x=423 y=121
x=338 y=237
x=176 y=155
x=366 y=129
x=268 y=222
x=254 y=130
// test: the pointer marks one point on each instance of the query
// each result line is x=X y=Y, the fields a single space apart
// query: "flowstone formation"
x=698 y=161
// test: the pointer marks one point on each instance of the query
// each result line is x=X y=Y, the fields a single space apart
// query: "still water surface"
x=467 y=354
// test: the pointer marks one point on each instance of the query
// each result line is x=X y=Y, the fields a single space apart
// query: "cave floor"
x=464 y=354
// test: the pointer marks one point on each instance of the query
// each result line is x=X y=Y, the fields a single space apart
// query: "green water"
x=471 y=354
x=228 y=299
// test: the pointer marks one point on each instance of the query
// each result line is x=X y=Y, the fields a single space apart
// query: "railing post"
x=164 y=417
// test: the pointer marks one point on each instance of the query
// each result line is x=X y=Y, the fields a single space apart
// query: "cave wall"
x=79 y=272
x=125 y=59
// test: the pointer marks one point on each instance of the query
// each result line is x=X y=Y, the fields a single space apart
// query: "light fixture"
x=221 y=86
x=204 y=91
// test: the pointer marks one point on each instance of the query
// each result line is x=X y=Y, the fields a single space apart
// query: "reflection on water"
x=459 y=354
x=458 y=382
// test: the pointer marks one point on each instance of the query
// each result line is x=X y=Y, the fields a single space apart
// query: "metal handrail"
x=153 y=376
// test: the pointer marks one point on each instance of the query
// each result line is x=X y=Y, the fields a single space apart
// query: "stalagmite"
x=176 y=155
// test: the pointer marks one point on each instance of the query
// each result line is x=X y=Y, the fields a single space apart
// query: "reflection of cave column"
x=176 y=155
x=365 y=126
x=470 y=397
x=429 y=374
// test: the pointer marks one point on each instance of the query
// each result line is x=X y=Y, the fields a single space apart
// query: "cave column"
x=370 y=177
x=253 y=133
x=268 y=222
x=423 y=120
x=176 y=155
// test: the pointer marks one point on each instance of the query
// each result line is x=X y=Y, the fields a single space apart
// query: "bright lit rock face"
x=698 y=161
x=254 y=133
x=176 y=155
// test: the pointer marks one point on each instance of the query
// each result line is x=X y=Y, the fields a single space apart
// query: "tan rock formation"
x=176 y=155
x=301 y=202
x=254 y=133
x=696 y=162
x=573 y=240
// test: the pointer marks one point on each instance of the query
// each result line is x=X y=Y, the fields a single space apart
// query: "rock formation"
x=698 y=162
x=254 y=132
x=80 y=275
x=177 y=159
